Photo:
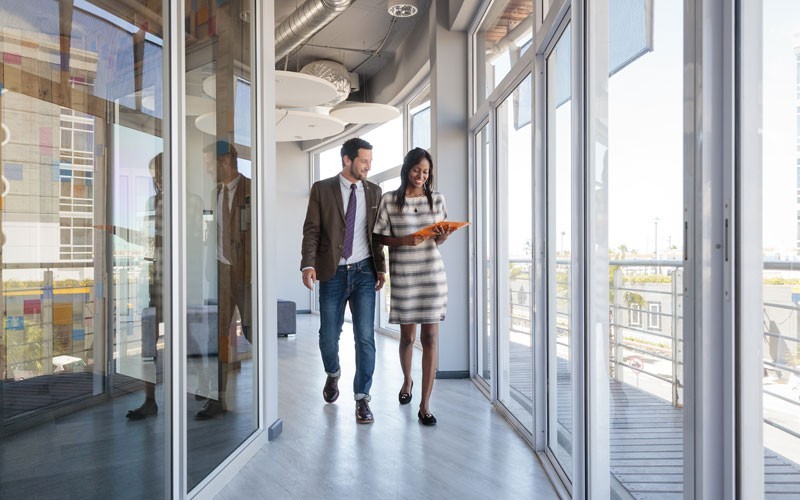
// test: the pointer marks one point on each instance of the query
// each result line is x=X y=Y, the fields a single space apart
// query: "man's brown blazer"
x=323 y=230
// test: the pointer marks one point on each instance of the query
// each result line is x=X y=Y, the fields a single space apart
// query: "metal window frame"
x=555 y=25
x=709 y=312
x=747 y=27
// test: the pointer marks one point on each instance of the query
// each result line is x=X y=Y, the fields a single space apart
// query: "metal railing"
x=646 y=326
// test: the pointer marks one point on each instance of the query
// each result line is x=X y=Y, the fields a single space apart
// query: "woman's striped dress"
x=418 y=282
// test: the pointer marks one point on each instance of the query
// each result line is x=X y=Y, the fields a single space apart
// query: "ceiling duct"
x=305 y=22
x=333 y=72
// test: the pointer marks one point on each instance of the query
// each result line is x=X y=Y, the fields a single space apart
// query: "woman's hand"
x=442 y=232
x=413 y=241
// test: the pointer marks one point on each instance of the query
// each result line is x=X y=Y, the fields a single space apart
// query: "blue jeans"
x=354 y=283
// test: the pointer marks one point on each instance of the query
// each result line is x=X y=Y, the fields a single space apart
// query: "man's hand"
x=309 y=277
x=381 y=281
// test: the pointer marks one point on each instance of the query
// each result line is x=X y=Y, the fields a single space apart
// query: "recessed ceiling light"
x=403 y=8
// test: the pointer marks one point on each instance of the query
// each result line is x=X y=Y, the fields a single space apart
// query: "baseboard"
x=275 y=430
x=303 y=311
x=452 y=374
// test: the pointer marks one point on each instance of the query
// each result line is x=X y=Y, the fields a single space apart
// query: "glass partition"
x=514 y=252
x=780 y=336
x=560 y=185
x=645 y=246
x=82 y=220
x=221 y=201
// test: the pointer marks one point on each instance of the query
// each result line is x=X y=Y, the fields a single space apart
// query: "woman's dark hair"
x=411 y=160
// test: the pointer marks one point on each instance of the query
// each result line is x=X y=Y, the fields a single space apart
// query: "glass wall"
x=645 y=184
x=222 y=367
x=560 y=284
x=82 y=224
x=514 y=253
x=781 y=247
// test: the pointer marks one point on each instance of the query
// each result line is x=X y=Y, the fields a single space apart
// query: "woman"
x=419 y=285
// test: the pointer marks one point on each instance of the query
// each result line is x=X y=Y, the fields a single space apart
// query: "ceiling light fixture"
x=403 y=8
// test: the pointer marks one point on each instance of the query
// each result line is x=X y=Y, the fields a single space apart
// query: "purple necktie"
x=349 y=223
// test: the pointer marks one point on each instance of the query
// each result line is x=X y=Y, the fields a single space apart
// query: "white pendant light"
x=364 y=112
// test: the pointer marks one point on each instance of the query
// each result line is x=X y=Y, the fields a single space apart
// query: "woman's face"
x=419 y=173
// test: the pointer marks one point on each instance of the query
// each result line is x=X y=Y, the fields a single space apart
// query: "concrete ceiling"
x=355 y=38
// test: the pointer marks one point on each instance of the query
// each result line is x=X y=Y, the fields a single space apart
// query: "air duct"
x=333 y=72
x=305 y=22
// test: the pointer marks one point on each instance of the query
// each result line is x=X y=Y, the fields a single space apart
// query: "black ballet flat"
x=143 y=411
x=405 y=397
x=427 y=419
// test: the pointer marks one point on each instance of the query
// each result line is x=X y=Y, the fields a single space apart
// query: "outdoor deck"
x=646 y=438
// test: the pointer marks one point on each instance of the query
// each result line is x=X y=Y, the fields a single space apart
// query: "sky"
x=645 y=141
x=781 y=34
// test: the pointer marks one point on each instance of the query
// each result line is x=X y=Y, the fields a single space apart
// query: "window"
x=419 y=114
x=387 y=144
x=635 y=315
x=654 y=316
x=506 y=27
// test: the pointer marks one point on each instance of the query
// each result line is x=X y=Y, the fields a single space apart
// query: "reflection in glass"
x=82 y=223
x=221 y=365
x=781 y=240
x=514 y=164
x=645 y=236
x=559 y=166
x=486 y=238
x=506 y=28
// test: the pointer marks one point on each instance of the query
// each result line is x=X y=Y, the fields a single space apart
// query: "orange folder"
x=447 y=225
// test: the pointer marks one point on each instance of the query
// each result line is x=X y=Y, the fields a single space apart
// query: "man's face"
x=357 y=169
x=221 y=167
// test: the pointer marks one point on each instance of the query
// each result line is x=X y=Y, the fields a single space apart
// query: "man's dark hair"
x=351 y=146
x=221 y=149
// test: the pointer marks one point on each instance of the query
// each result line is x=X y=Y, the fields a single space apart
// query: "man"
x=338 y=250
x=234 y=279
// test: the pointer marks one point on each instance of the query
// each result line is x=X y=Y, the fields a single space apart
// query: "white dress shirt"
x=231 y=187
x=361 y=248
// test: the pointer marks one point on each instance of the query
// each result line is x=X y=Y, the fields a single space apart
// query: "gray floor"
x=473 y=452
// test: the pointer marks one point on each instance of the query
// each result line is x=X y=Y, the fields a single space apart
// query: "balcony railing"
x=646 y=329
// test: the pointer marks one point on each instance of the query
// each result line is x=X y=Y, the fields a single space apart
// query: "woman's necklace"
x=415 y=195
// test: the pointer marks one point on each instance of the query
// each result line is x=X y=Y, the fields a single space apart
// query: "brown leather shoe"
x=363 y=413
x=330 y=392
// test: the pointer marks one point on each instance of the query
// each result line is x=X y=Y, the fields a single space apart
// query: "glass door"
x=780 y=228
x=221 y=201
x=560 y=186
x=514 y=256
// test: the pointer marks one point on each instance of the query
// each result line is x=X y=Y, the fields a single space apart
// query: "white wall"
x=449 y=110
x=292 y=187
